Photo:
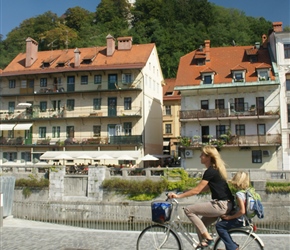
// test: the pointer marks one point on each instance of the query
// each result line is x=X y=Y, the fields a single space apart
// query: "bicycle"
x=167 y=235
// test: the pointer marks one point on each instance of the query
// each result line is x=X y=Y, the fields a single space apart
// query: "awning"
x=23 y=126
x=6 y=126
x=165 y=143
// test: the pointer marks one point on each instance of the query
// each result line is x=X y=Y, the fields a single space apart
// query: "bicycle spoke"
x=243 y=239
x=158 y=237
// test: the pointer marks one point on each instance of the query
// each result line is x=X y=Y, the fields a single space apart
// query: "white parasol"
x=126 y=158
x=149 y=157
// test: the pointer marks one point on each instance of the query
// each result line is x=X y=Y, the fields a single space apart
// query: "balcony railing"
x=230 y=113
x=77 y=112
x=100 y=140
x=234 y=140
x=61 y=88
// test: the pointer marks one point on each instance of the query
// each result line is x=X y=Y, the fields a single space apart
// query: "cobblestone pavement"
x=30 y=235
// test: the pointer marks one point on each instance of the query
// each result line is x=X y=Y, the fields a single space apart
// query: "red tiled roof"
x=136 y=57
x=169 y=88
x=222 y=61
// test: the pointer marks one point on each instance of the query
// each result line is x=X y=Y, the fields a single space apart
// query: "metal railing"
x=229 y=113
x=113 y=216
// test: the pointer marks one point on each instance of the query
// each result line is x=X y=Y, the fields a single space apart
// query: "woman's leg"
x=209 y=212
x=222 y=228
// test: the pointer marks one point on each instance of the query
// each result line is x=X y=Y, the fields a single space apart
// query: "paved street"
x=19 y=234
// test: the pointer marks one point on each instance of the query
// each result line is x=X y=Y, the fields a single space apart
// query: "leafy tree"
x=114 y=15
x=76 y=17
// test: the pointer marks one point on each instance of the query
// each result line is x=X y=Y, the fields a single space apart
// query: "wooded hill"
x=175 y=26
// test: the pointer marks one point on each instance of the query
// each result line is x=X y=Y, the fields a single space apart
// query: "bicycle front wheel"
x=158 y=237
x=245 y=241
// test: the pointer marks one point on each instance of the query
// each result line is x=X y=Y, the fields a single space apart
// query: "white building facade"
x=280 y=47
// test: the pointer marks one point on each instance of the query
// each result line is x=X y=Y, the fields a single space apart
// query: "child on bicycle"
x=215 y=180
x=240 y=181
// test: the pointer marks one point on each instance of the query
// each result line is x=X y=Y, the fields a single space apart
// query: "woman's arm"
x=238 y=214
x=202 y=186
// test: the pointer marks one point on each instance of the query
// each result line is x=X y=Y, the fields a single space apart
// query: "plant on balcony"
x=185 y=141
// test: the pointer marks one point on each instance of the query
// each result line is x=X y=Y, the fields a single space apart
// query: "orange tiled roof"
x=136 y=57
x=222 y=61
x=169 y=88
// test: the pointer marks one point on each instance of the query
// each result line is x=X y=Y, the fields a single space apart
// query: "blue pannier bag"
x=161 y=211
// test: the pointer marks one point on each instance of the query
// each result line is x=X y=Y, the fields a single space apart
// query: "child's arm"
x=238 y=214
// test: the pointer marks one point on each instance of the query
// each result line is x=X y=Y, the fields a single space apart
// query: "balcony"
x=234 y=140
x=77 y=87
x=213 y=114
x=77 y=112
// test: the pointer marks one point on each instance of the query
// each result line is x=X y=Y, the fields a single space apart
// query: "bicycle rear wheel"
x=245 y=241
x=158 y=237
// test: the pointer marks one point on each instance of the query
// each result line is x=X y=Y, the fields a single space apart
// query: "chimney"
x=125 y=43
x=31 y=51
x=110 y=45
x=77 y=57
x=207 y=48
x=277 y=26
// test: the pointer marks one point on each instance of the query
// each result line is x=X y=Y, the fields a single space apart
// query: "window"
x=70 y=103
x=238 y=76
x=11 y=107
x=263 y=75
x=167 y=110
x=127 y=103
x=97 y=79
x=43 y=106
x=257 y=156
x=70 y=132
x=97 y=130
x=287 y=82
x=127 y=128
x=26 y=156
x=11 y=134
x=23 y=84
x=10 y=156
x=220 y=130
x=207 y=79
x=84 y=80
x=126 y=78
x=42 y=132
x=288 y=111
x=204 y=104
x=12 y=84
x=261 y=129
x=97 y=103
x=239 y=105
x=168 y=129
x=240 y=129
x=56 y=132
x=43 y=82
x=220 y=104
x=287 y=51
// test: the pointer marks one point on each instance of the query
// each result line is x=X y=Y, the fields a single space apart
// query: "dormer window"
x=201 y=61
x=207 y=79
x=238 y=77
x=207 y=76
x=263 y=75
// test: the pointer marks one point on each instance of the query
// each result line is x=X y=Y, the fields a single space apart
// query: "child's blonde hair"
x=241 y=180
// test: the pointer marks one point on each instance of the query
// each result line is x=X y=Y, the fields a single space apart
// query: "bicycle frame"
x=175 y=224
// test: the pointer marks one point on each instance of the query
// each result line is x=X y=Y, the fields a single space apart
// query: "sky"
x=13 y=12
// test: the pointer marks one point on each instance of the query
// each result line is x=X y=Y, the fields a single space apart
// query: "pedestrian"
x=215 y=180
x=240 y=181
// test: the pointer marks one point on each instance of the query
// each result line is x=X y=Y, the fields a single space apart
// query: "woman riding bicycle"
x=215 y=180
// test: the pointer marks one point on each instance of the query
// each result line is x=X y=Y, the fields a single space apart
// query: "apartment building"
x=171 y=124
x=100 y=99
x=230 y=98
x=280 y=48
